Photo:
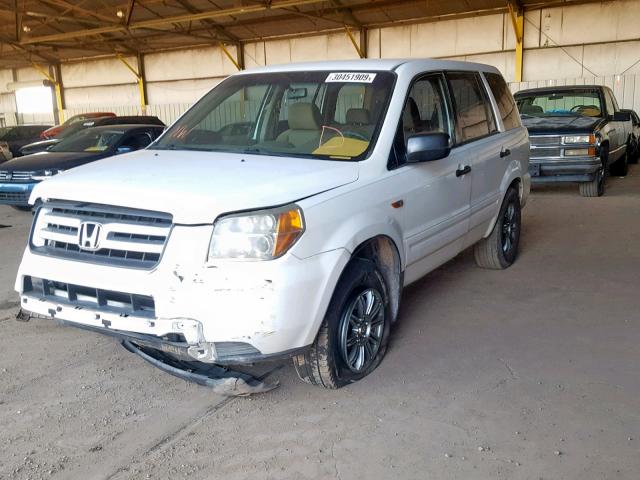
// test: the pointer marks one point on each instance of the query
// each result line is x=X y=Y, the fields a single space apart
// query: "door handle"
x=463 y=171
x=505 y=152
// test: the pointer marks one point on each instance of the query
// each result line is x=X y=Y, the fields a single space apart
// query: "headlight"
x=579 y=152
x=260 y=235
x=44 y=174
x=573 y=139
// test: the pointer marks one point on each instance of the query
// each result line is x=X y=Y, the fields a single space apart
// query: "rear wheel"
x=354 y=334
x=621 y=167
x=500 y=249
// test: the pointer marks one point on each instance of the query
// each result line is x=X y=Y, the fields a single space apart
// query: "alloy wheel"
x=361 y=330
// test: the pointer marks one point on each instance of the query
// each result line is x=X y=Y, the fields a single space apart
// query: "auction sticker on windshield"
x=355 y=77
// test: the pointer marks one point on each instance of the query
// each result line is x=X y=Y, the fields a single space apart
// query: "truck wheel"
x=621 y=167
x=354 y=334
x=500 y=249
x=594 y=188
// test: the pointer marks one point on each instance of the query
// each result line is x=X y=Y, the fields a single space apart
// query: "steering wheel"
x=351 y=134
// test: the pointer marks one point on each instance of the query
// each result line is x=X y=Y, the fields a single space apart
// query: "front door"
x=438 y=192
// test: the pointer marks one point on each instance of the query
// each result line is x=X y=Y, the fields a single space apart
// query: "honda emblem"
x=89 y=236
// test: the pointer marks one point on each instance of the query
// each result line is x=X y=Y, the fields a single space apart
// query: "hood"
x=196 y=187
x=45 y=160
x=563 y=124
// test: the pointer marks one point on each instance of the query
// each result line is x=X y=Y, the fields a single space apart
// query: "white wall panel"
x=107 y=71
x=102 y=96
x=28 y=74
x=180 y=91
x=6 y=76
x=189 y=64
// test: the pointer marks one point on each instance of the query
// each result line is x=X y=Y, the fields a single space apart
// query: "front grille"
x=545 y=140
x=546 y=152
x=96 y=298
x=15 y=177
x=126 y=237
x=14 y=197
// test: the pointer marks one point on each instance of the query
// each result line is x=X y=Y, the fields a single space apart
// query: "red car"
x=57 y=129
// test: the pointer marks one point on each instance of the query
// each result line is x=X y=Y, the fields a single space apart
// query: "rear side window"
x=506 y=105
x=474 y=118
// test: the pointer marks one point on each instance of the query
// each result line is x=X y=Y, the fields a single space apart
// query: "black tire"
x=621 y=167
x=596 y=187
x=500 y=249
x=324 y=363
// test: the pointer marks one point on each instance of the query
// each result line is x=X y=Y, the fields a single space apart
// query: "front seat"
x=305 y=124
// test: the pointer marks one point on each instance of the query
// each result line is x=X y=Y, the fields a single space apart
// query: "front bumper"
x=250 y=310
x=553 y=170
x=16 y=193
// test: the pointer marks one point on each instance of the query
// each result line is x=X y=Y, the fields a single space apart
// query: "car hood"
x=45 y=160
x=196 y=187
x=561 y=124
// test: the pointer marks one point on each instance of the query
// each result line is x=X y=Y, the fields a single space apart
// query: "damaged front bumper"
x=228 y=313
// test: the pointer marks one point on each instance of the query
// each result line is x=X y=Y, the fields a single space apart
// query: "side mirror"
x=124 y=149
x=427 y=147
x=622 y=117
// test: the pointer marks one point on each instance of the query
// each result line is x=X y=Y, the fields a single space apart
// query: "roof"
x=559 y=88
x=125 y=127
x=60 y=30
x=425 y=64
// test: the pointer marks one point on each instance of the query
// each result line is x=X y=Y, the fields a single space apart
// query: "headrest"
x=358 y=116
x=304 y=116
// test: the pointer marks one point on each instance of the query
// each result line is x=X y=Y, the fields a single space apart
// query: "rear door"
x=477 y=137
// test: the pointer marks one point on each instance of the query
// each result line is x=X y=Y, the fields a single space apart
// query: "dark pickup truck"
x=577 y=134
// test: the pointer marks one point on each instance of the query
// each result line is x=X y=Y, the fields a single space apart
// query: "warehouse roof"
x=58 y=30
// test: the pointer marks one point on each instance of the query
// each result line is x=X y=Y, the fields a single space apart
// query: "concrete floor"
x=528 y=373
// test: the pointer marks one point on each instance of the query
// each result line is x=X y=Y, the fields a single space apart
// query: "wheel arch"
x=384 y=253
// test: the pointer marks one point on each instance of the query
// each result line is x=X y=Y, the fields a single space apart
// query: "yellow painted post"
x=517 y=19
x=56 y=87
x=140 y=80
x=358 y=48
x=226 y=51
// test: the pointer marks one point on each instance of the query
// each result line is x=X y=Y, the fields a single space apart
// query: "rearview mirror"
x=427 y=147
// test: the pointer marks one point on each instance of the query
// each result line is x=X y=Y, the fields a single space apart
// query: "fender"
x=512 y=172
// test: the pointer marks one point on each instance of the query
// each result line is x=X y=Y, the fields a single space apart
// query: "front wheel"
x=354 y=334
x=500 y=249
x=594 y=188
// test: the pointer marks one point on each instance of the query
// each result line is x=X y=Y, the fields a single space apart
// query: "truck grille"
x=545 y=140
x=96 y=298
x=15 y=177
x=14 y=197
x=110 y=235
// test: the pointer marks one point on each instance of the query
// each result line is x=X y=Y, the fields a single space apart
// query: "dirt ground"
x=528 y=373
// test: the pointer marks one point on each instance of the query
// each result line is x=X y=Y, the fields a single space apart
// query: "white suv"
x=282 y=215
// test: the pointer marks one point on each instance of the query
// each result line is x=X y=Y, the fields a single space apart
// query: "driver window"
x=425 y=109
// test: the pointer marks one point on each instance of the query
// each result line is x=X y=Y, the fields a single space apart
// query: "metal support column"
x=517 y=19
x=140 y=79
x=56 y=83
x=360 y=49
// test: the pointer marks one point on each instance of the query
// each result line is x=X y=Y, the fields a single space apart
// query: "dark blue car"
x=19 y=176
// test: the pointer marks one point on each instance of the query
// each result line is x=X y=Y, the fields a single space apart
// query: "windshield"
x=568 y=103
x=335 y=115
x=89 y=140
